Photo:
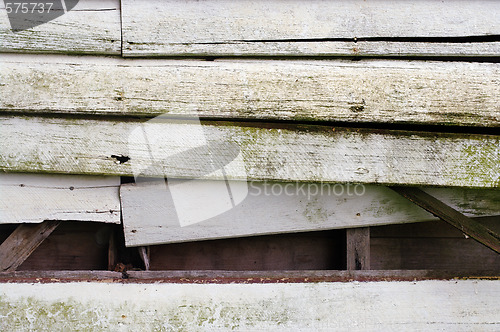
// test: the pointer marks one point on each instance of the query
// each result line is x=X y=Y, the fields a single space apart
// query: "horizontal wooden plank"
x=311 y=28
x=91 y=27
x=33 y=198
x=432 y=253
x=186 y=149
x=152 y=214
x=304 y=251
x=371 y=91
x=244 y=277
x=273 y=276
x=462 y=305
x=59 y=276
x=431 y=229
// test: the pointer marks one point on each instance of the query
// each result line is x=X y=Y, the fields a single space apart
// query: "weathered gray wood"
x=22 y=242
x=33 y=198
x=92 y=27
x=477 y=231
x=310 y=28
x=150 y=215
x=277 y=152
x=461 y=305
x=358 y=248
x=373 y=91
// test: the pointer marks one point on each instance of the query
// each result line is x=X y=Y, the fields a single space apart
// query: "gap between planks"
x=22 y=242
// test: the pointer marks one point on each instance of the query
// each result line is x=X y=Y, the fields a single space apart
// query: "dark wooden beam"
x=358 y=248
x=242 y=277
x=22 y=242
x=468 y=226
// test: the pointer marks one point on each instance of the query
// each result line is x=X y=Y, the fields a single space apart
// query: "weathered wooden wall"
x=418 y=106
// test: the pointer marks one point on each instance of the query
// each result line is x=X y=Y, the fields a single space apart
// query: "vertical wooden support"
x=22 y=242
x=358 y=248
x=112 y=251
x=144 y=253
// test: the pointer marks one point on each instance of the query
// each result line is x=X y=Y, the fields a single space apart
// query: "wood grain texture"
x=22 y=242
x=358 y=248
x=276 y=152
x=432 y=253
x=432 y=245
x=243 y=277
x=33 y=198
x=92 y=27
x=311 y=28
x=371 y=91
x=477 y=231
x=284 y=252
x=431 y=229
x=461 y=305
x=150 y=215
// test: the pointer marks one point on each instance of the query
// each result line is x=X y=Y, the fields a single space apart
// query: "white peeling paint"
x=456 y=305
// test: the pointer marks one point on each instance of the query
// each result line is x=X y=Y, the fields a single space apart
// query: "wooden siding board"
x=371 y=91
x=33 y=198
x=284 y=152
x=458 y=305
x=307 y=28
x=92 y=27
x=151 y=217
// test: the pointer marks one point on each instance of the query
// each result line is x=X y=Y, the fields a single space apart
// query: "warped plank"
x=477 y=231
x=461 y=305
x=371 y=91
x=92 y=27
x=308 y=28
x=33 y=198
x=22 y=242
x=152 y=213
x=186 y=149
